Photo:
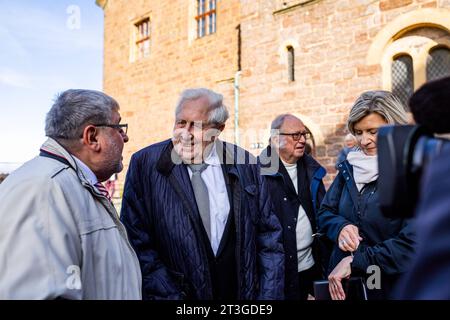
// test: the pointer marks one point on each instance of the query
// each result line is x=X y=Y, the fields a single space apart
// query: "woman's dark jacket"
x=387 y=243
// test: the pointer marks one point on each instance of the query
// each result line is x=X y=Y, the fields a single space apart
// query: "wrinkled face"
x=192 y=134
x=112 y=151
x=289 y=149
x=366 y=131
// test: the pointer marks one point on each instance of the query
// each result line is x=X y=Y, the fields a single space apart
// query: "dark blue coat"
x=387 y=243
x=429 y=277
x=286 y=203
x=163 y=225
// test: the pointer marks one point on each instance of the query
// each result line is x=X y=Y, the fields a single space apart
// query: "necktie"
x=201 y=195
x=100 y=187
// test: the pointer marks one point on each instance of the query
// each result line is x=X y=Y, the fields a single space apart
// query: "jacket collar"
x=52 y=149
x=87 y=172
x=346 y=170
x=168 y=159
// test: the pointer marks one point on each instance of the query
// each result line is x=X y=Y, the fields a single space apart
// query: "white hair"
x=217 y=114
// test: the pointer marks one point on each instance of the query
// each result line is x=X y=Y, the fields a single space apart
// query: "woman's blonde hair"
x=382 y=102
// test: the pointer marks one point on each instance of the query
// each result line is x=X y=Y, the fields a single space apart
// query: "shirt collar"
x=86 y=171
x=288 y=165
x=213 y=159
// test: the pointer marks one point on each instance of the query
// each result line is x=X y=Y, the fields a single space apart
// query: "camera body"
x=403 y=154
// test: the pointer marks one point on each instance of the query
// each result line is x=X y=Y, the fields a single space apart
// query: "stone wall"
x=331 y=41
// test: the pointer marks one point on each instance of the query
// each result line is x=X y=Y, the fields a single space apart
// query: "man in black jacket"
x=198 y=213
x=295 y=184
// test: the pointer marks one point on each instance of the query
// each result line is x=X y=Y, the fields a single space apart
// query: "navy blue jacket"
x=163 y=224
x=286 y=203
x=387 y=243
x=342 y=155
x=429 y=277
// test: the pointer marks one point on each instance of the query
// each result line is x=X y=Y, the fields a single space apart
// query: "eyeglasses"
x=296 y=135
x=122 y=128
x=200 y=125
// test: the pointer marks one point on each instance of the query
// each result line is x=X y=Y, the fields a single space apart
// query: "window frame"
x=409 y=90
x=290 y=54
x=206 y=18
x=427 y=63
x=141 y=38
x=418 y=47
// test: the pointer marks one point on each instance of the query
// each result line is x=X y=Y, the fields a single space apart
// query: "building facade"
x=310 y=58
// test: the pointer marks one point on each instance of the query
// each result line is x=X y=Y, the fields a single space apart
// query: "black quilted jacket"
x=161 y=218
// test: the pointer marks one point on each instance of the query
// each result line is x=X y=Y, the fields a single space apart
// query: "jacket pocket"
x=181 y=283
x=252 y=200
x=250 y=189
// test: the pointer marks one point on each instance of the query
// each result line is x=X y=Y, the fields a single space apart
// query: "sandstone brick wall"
x=331 y=39
x=147 y=89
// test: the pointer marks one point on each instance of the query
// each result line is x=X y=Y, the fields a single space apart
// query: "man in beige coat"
x=60 y=236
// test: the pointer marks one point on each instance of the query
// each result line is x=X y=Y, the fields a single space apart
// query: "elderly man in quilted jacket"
x=198 y=212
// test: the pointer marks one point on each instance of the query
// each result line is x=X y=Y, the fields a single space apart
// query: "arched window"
x=415 y=54
x=291 y=63
x=438 y=63
x=403 y=77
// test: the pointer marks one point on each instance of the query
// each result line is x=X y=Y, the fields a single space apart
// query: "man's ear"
x=90 y=137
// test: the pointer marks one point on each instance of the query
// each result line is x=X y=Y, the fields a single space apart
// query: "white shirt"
x=303 y=228
x=219 y=204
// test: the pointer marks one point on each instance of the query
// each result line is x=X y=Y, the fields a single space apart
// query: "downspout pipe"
x=236 y=107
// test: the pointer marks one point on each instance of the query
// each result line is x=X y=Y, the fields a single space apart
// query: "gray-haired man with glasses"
x=61 y=236
x=295 y=184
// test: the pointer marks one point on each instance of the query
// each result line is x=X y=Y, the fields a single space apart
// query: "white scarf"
x=365 y=168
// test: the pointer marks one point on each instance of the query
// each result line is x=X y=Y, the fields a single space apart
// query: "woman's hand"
x=349 y=238
x=341 y=271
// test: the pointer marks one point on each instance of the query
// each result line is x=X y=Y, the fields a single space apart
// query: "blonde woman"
x=349 y=214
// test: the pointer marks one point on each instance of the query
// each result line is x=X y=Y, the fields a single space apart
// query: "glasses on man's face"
x=296 y=135
x=199 y=125
x=122 y=128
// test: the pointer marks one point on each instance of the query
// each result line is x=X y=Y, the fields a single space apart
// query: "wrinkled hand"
x=341 y=271
x=349 y=238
